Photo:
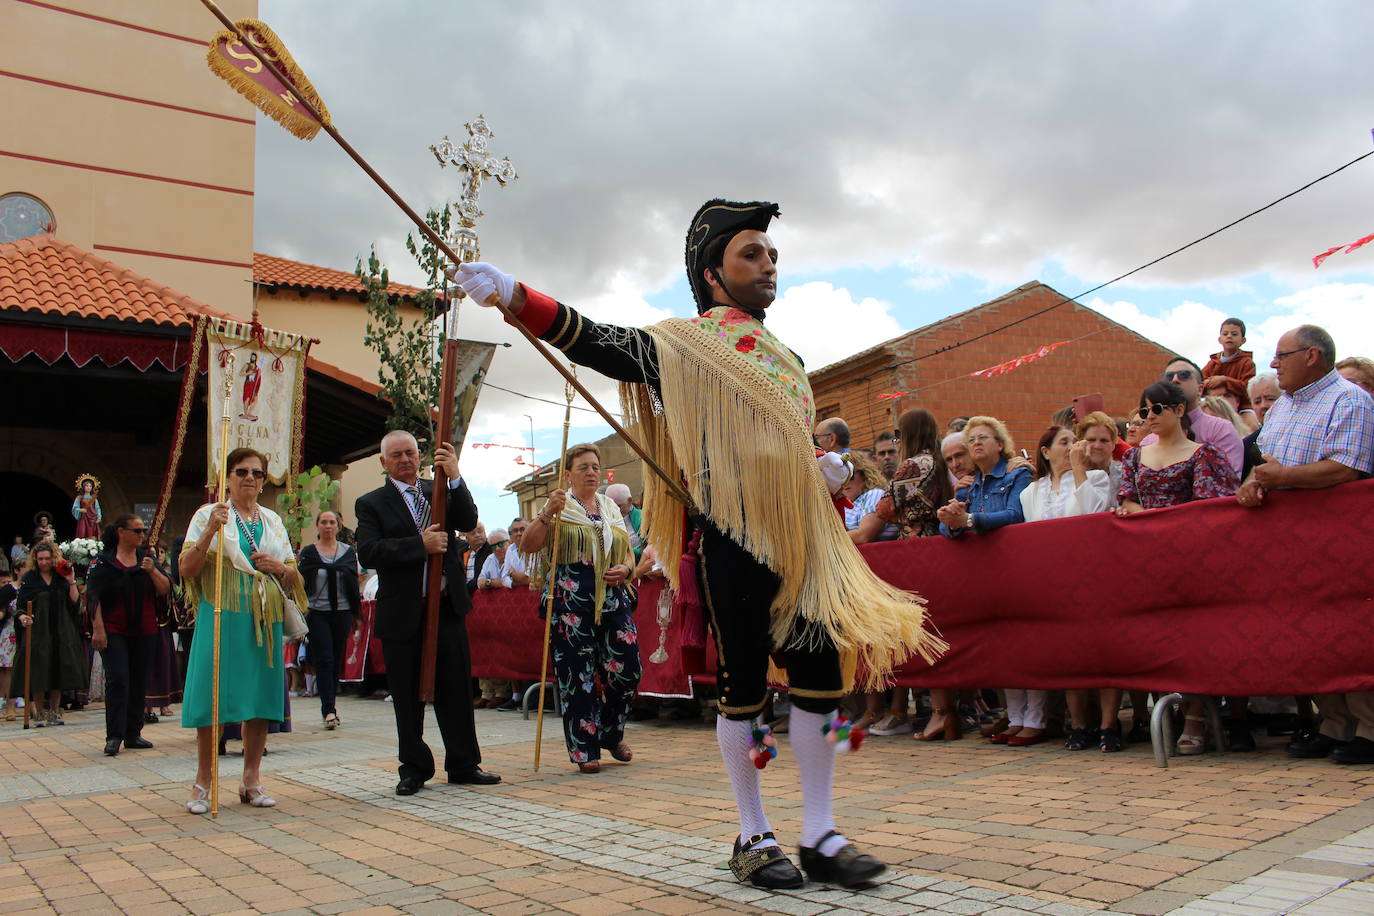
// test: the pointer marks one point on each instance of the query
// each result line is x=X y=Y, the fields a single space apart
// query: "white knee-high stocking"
x=735 y=738
x=816 y=761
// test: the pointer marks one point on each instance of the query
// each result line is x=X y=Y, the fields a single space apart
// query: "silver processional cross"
x=476 y=163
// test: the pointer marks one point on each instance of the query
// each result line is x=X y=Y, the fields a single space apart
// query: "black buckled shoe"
x=847 y=868
x=767 y=868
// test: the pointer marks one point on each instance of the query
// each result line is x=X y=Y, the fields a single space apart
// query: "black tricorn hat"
x=717 y=218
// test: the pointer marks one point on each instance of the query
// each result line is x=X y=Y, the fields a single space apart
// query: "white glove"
x=835 y=470
x=480 y=281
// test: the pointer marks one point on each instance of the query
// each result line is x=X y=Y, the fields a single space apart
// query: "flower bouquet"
x=81 y=551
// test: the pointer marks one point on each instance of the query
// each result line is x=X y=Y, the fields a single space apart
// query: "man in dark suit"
x=395 y=538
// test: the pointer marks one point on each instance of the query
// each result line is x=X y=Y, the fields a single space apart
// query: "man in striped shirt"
x=1319 y=433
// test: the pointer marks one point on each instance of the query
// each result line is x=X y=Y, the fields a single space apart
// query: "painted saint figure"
x=86 y=507
x=252 y=383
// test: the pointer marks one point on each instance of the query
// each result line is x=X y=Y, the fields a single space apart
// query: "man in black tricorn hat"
x=724 y=406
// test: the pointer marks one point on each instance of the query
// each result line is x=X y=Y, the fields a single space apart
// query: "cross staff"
x=302 y=99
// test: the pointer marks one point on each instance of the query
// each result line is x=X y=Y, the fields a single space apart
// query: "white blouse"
x=1041 y=500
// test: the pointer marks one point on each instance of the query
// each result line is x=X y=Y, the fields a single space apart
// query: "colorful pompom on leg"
x=843 y=734
x=764 y=747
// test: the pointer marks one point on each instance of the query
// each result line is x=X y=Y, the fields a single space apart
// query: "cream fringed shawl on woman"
x=735 y=426
x=245 y=588
x=578 y=543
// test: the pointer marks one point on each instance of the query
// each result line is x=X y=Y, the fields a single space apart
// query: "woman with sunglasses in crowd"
x=259 y=574
x=1172 y=470
x=124 y=589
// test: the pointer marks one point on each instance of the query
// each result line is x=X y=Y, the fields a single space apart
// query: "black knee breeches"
x=738 y=591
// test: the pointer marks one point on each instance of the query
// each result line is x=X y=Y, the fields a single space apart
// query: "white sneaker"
x=891 y=725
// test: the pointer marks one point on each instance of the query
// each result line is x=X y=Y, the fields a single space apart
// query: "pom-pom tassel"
x=844 y=735
x=763 y=747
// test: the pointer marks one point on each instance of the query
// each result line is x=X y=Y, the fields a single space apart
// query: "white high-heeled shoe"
x=199 y=802
x=256 y=796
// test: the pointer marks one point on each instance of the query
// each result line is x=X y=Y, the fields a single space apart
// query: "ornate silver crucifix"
x=476 y=163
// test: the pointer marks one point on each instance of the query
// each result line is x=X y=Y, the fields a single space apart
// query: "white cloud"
x=824 y=324
x=1189 y=328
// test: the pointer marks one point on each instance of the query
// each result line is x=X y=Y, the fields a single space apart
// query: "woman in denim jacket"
x=994 y=497
x=992 y=500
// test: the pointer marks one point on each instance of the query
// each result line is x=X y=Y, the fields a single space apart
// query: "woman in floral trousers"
x=593 y=639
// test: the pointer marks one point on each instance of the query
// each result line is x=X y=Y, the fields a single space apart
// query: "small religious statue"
x=86 y=507
x=43 y=529
x=252 y=383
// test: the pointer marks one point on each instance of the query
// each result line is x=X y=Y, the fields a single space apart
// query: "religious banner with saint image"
x=267 y=393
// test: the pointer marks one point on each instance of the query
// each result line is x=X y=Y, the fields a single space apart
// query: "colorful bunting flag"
x=1012 y=364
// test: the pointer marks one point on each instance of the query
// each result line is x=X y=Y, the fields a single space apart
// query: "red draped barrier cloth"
x=1207 y=598
x=363 y=651
x=505 y=634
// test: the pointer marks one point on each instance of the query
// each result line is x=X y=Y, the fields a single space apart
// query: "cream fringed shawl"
x=578 y=543
x=245 y=588
x=742 y=444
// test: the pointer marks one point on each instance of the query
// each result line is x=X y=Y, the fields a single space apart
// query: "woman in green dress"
x=259 y=574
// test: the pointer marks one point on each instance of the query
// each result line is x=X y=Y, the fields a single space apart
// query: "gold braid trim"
x=770 y=498
x=580 y=544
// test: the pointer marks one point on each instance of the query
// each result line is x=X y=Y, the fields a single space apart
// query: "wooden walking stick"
x=551 y=580
x=28 y=666
x=215 y=725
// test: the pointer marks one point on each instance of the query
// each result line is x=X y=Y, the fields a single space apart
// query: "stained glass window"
x=22 y=217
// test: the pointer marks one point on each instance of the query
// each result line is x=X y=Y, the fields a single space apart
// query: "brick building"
x=1101 y=356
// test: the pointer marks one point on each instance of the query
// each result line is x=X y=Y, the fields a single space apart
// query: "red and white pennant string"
x=1012 y=364
x=1358 y=243
x=999 y=369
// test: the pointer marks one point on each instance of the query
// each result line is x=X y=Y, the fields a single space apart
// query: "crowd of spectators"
x=1219 y=432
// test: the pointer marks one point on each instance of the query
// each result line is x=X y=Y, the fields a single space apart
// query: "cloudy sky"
x=927 y=157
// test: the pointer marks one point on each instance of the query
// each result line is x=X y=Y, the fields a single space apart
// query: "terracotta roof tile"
x=48 y=276
x=274 y=271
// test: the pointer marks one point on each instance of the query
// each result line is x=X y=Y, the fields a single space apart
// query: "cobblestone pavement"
x=967 y=827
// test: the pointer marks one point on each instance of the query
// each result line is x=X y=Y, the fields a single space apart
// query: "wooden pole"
x=674 y=487
x=550 y=580
x=438 y=515
x=28 y=666
x=215 y=725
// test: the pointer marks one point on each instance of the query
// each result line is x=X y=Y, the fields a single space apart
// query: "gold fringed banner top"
x=735 y=427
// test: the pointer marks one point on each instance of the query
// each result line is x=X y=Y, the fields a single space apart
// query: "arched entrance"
x=27 y=495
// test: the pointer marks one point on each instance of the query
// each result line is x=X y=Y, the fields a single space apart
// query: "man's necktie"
x=419 y=507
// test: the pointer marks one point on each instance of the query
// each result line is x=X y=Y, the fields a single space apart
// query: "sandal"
x=622 y=752
x=331 y=721
x=590 y=766
x=1109 y=740
x=199 y=802
x=1192 y=745
x=1139 y=733
x=1078 y=739
x=256 y=796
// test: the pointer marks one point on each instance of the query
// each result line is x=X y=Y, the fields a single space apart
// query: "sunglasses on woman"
x=1156 y=409
x=258 y=473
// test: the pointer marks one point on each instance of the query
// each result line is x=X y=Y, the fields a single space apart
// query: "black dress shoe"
x=1316 y=747
x=847 y=868
x=1360 y=750
x=409 y=785
x=149 y=719
x=111 y=747
x=473 y=777
x=767 y=868
x=510 y=705
x=137 y=743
